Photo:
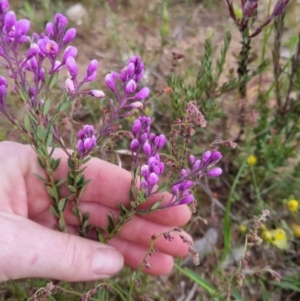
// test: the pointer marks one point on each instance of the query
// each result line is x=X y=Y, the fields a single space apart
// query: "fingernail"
x=106 y=261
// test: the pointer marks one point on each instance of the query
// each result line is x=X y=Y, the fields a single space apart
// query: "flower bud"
x=147 y=148
x=9 y=21
x=69 y=35
x=142 y=94
x=33 y=51
x=134 y=145
x=72 y=67
x=130 y=87
x=206 y=156
x=97 y=93
x=145 y=171
x=152 y=179
x=4 y=6
x=69 y=51
x=93 y=67
x=215 y=172
x=187 y=200
x=69 y=84
x=110 y=82
x=192 y=159
x=136 y=105
x=50 y=30
x=136 y=127
x=22 y=27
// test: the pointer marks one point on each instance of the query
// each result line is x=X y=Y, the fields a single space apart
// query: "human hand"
x=29 y=247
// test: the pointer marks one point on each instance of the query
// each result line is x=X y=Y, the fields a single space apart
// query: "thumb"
x=28 y=249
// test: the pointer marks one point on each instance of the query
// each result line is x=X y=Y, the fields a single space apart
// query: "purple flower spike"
x=69 y=36
x=110 y=82
x=22 y=27
x=142 y=94
x=50 y=30
x=130 y=87
x=215 y=172
x=72 y=67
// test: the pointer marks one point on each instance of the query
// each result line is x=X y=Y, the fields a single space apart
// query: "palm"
x=23 y=194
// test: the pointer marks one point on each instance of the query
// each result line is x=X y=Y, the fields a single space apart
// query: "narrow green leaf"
x=72 y=188
x=51 y=192
x=53 y=80
x=54 y=163
x=197 y=279
x=49 y=140
x=75 y=211
x=54 y=212
x=60 y=182
x=42 y=179
x=27 y=124
x=70 y=164
x=46 y=107
x=155 y=205
x=41 y=163
x=41 y=132
x=62 y=204
x=62 y=224
x=63 y=106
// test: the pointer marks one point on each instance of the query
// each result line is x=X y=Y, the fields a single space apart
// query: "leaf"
x=41 y=132
x=46 y=107
x=60 y=182
x=42 y=179
x=72 y=188
x=62 y=224
x=49 y=140
x=51 y=192
x=156 y=205
x=41 y=163
x=197 y=279
x=70 y=164
x=53 y=80
x=75 y=211
x=62 y=204
x=27 y=123
x=63 y=106
x=79 y=178
x=54 y=163
x=54 y=211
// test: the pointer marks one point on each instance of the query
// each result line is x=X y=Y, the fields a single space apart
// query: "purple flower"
x=130 y=87
x=48 y=47
x=9 y=21
x=215 y=172
x=33 y=51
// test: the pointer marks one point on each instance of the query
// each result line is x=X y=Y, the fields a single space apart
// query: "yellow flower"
x=266 y=235
x=243 y=228
x=296 y=230
x=292 y=205
x=279 y=239
x=252 y=160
